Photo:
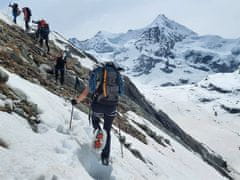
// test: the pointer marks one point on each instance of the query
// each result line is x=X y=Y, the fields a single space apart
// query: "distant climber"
x=27 y=17
x=15 y=11
x=67 y=53
x=61 y=61
x=105 y=86
x=42 y=33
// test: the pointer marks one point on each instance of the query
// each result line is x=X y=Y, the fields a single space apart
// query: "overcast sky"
x=84 y=18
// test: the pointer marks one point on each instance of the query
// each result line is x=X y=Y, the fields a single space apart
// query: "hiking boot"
x=99 y=135
x=105 y=161
x=98 y=140
x=97 y=144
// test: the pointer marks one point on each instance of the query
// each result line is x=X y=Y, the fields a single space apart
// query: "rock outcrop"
x=3 y=77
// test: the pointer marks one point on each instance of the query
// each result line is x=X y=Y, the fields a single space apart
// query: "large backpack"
x=106 y=84
x=16 y=10
x=29 y=11
x=44 y=29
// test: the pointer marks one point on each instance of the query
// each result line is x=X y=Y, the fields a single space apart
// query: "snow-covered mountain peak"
x=162 y=22
x=166 y=48
x=105 y=34
x=159 y=20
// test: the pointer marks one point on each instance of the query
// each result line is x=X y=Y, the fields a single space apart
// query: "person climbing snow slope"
x=105 y=86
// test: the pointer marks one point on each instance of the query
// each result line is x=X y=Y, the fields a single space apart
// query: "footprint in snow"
x=91 y=162
x=59 y=150
x=42 y=128
x=61 y=129
x=76 y=115
x=66 y=145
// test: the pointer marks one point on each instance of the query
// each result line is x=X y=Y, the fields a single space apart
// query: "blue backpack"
x=106 y=84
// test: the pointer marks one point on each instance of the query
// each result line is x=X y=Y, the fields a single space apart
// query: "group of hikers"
x=105 y=86
x=43 y=30
x=41 y=34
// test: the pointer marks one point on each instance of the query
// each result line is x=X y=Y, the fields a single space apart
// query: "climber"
x=61 y=61
x=27 y=16
x=105 y=86
x=42 y=32
x=15 y=11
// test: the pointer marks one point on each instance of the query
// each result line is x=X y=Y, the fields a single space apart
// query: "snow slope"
x=60 y=153
x=6 y=19
x=209 y=111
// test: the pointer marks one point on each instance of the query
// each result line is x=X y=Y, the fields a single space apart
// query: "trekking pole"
x=70 y=125
x=8 y=9
x=121 y=138
x=75 y=88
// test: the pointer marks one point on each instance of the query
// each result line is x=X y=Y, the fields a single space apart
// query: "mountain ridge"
x=164 y=47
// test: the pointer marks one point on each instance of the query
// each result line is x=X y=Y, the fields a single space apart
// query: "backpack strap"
x=105 y=82
x=94 y=75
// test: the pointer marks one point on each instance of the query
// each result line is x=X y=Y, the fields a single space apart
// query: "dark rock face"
x=183 y=81
x=206 y=100
x=168 y=84
x=225 y=66
x=210 y=61
x=236 y=51
x=3 y=144
x=3 y=77
x=145 y=64
x=213 y=87
x=167 y=70
x=198 y=57
x=231 y=110
x=157 y=36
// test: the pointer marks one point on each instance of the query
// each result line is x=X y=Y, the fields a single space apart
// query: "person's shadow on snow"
x=91 y=162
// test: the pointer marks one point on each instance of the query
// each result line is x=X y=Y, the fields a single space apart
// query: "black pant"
x=62 y=74
x=46 y=42
x=108 y=113
x=27 y=24
x=15 y=18
x=37 y=34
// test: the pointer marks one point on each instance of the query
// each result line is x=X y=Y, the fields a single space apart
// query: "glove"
x=74 y=102
x=122 y=139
